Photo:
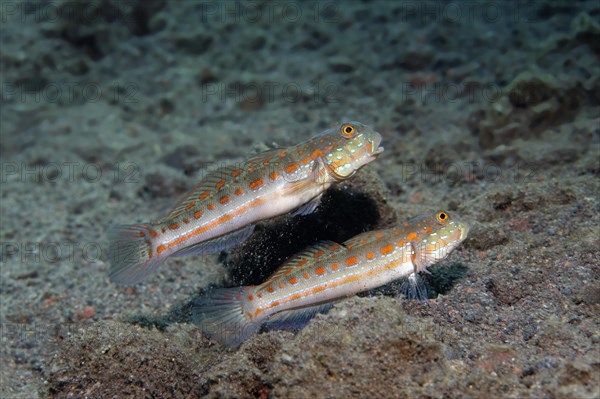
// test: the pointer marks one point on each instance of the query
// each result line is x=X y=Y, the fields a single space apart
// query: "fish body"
x=220 y=212
x=311 y=280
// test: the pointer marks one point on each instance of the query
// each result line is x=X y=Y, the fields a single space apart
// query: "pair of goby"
x=221 y=212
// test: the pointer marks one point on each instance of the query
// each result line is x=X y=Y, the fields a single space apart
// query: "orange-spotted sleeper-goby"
x=221 y=211
x=312 y=280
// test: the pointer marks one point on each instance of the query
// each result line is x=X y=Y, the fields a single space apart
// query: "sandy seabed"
x=112 y=110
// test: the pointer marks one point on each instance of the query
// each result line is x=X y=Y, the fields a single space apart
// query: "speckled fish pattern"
x=326 y=272
x=221 y=211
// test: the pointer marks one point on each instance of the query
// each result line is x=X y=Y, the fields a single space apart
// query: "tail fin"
x=130 y=254
x=222 y=316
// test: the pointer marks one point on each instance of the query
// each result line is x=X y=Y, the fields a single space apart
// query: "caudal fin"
x=222 y=316
x=130 y=254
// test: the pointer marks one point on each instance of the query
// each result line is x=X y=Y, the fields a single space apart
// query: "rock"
x=160 y=185
x=489 y=137
x=178 y=158
x=114 y=359
x=484 y=238
x=529 y=89
x=416 y=60
x=587 y=30
x=196 y=44
x=341 y=65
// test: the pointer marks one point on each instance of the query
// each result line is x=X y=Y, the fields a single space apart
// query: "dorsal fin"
x=257 y=160
x=221 y=176
x=206 y=188
x=365 y=238
x=318 y=252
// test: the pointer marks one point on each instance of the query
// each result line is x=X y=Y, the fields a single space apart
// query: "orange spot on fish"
x=320 y=271
x=295 y=296
x=316 y=255
x=370 y=255
x=160 y=248
x=316 y=153
x=305 y=275
x=300 y=152
x=273 y=176
x=335 y=266
x=239 y=191
x=204 y=194
x=236 y=172
x=318 y=289
x=198 y=214
x=400 y=243
x=174 y=226
x=378 y=235
x=328 y=147
x=351 y=261
x=306 y=160
x=224 y=200
x=250 y=297
x=293 y=280
x=387 y=249
x=190 y=205
x=220 y=184
x=259 y=295
x=291 y=168
x=266 y=162
x=303 y=261
x=256 y=184
x=282 y=154
x=288 y=270
x=270 y=289
x=186 y=221
x=153 y=233
x=257 y=312
x=163 y=229
x=215 y=223
x=281 y=285
x=334 y=247
x=412 y=236
x=150 y=253
x=210 y=207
